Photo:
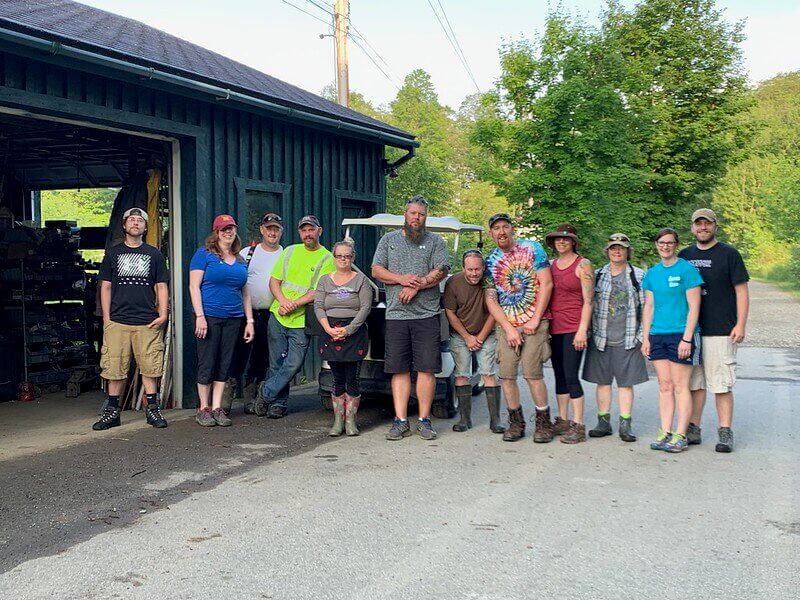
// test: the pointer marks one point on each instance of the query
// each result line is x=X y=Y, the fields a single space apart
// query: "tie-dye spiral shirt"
x=513 y=275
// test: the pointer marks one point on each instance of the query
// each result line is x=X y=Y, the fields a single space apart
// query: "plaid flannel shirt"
x=602 y=296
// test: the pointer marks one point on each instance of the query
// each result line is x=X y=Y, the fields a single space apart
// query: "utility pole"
x=341 y=11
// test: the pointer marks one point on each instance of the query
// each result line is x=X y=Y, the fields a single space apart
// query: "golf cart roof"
x=434 y=224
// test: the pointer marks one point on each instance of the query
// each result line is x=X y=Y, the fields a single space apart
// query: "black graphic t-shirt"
x=721 y=268
x=133 y=273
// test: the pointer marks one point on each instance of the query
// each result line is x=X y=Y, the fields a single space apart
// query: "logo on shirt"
x=133 y=269
x=701 y=263
x=674 y=280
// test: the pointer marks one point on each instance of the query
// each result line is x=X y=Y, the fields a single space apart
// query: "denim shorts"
x=487 y=356
x=665 y=347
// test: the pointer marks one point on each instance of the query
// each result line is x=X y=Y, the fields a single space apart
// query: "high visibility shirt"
x=299 y=271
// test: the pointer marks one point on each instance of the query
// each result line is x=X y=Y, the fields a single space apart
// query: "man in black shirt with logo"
x=723 y=318
x=134 y=299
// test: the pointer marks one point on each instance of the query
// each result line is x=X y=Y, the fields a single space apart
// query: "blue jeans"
x=287 y=352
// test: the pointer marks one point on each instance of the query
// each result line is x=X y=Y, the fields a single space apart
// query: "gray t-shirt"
x=400 y=256
x=352 y=300
x=617 y=309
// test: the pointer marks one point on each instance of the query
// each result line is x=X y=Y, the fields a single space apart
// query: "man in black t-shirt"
x=134 y=299
x=723 y=319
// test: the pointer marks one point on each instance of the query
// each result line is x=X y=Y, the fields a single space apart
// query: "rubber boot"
x=625 y=431
x=338 y=415
x=464 y=395
x=351 y=410
x=516 y=426
x=493 y=402
x=227 y=395
x=603 y=427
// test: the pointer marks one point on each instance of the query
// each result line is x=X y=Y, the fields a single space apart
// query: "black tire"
x=327 y=401
x=448 y=407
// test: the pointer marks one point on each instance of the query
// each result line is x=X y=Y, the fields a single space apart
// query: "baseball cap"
x=309 y=220
x=499 y=217
x=134 y=212
x=223 y=221
x=704 y=213
x=618 y=239
x=272 y=219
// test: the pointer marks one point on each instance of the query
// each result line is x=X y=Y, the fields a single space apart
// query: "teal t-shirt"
x=669 y=285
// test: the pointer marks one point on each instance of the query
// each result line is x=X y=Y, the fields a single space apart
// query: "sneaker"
x=560 y=426
x=661 y=440
x=276 y=411
x=425 y=429
x=398 y=430
x=260 y=407
x=693 y=434
x=204 y=418
x=603 y=427
x=109 y=419
x=725 y=440
x=676 y=443
x=221 y=418
x=154 y=418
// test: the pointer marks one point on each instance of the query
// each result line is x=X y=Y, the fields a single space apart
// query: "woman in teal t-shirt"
x=671 y=339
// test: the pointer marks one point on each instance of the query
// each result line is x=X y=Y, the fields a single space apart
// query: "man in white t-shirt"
x=260 y=259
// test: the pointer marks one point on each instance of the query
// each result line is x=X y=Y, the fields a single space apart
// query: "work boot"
x=693 y=435
x=575 y=434
x=338 y=415
x=625 y=432
x=543 y=432
x=464 y=395
x=603 y=427
x=516 y=425
x=109 y=419
x=493 y=402
x=561 y=426
x=227 y=395
x=350 y=412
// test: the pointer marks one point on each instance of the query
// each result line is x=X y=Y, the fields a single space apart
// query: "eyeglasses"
x=666 y=243
x=618 y=237
x=342 y=256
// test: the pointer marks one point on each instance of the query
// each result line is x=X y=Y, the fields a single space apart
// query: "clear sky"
x=278 y=39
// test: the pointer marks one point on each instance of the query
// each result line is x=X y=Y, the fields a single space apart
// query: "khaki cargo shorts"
x=120 y=342
x=717 y=369
x=535 y=351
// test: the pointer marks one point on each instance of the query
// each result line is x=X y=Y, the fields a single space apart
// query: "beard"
x=414 y=233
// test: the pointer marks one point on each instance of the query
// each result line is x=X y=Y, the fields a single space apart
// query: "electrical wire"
x=323 y=8
x=454 y=44
x=374 y=62
x=313 y=16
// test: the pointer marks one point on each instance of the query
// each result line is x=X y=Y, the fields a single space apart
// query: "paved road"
x=273 y=510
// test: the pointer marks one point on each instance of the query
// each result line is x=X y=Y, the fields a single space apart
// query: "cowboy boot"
x=351 y=410
x=516 y=425
x=338 y=415
x=464 y=395
x=493 y=402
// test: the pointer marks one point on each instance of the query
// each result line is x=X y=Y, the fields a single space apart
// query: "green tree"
x=89 y=207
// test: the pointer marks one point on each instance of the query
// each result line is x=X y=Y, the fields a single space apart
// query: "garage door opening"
x=63 y=188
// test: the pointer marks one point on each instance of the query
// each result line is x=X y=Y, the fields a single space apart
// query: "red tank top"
x=566 y=301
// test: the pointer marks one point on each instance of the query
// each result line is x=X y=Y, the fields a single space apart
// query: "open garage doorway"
x=63 y=188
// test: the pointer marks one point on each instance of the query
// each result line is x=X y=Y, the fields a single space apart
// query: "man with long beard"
x=411 y=262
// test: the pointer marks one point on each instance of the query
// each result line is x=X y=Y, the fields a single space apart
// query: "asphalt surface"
x=274 y=509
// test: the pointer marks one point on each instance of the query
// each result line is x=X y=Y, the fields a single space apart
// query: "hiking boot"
x=625 y=431
x=493 y=403
x=676 y=443
x=543 y=432
x=276 y=411
x=725 y=443
x=603 y=427
x=338 y=415
x=693 y=434
x=560 y=426
x=260 y=407
x=204 y=418
x=464 y=395
x=661 y=440
x=221 y=418
x=398 y=430
x=227 y=394
x=109 y=419
x=425 y=429
x=575 y=434
x=516 y=425
x=350 y=412
x=154 y=418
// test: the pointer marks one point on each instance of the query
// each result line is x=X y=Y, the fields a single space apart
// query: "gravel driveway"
x=774 y=320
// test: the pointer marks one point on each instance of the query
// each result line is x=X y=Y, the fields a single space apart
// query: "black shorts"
x=413 y=345
x=665 y=347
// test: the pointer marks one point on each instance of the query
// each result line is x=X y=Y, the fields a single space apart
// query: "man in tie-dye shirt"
x=518 y=286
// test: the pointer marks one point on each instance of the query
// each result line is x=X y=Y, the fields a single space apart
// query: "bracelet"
x=686 y=341
x=251 y=320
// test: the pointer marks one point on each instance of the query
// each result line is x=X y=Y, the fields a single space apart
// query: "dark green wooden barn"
x=86 y=96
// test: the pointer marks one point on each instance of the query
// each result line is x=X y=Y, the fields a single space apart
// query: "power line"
x=313 y=16
x=452 y=31
x=323 y=8
x=370 y=46
x=453 y=44
x=374 y=62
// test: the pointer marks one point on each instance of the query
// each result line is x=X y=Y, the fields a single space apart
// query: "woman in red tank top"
x=571 y=308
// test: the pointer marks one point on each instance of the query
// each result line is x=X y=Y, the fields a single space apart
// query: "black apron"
x=352 y=348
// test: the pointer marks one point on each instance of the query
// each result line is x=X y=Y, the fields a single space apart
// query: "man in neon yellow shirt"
x=294 y=279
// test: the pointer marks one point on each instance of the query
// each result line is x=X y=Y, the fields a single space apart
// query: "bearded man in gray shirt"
x=411 y=262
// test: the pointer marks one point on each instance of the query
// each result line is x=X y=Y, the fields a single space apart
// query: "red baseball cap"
x=223 y=221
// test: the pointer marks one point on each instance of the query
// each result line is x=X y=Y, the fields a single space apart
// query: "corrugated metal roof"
x=113 y=35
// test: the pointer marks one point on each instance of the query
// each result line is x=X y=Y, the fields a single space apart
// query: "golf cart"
x=374 y=382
